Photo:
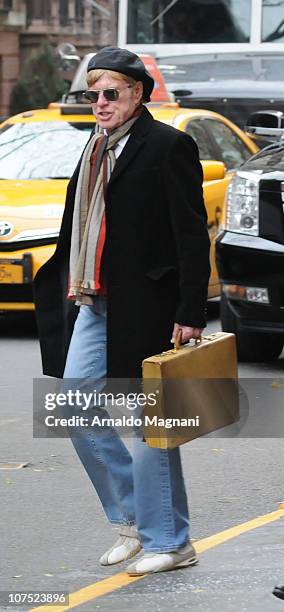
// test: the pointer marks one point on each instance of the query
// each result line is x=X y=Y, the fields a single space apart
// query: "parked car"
x=250 y=248
x=234 y=84
x=38 y=153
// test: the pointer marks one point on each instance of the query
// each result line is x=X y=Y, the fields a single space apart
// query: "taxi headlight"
x=243 y=204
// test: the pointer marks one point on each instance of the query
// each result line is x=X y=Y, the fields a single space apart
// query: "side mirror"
x=213 y=170
x=266 y=125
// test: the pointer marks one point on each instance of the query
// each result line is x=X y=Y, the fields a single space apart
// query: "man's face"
x=111 y=115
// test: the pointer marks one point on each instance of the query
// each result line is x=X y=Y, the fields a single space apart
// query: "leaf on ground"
x=276 y=385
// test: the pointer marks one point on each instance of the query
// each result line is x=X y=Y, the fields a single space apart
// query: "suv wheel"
x=251 y=346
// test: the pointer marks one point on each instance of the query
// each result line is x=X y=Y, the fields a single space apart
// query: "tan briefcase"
x=195 y=390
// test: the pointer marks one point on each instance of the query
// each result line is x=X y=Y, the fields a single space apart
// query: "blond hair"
x=94 y=75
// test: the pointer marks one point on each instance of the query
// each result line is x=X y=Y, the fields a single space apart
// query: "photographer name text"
x=124 y=421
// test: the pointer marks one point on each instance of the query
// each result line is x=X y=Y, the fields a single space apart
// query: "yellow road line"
x=92 y=592
x=223 y=536
x=117 y=581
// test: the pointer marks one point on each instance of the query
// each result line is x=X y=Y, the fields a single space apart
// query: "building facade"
x=26 y=24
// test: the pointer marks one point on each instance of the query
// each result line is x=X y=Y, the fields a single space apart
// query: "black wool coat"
x=156 y=253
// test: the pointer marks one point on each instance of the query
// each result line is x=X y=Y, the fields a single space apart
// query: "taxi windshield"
x=41 y=150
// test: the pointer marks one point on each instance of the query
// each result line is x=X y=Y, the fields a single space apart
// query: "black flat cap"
x=125 y=62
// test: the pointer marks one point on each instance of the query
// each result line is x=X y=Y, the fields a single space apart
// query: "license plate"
x=11 y=273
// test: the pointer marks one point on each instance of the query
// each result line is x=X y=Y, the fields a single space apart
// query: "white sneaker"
x=163 y=562
x=127 y=546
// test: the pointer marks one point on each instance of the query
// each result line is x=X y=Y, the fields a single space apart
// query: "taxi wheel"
x=251 y=346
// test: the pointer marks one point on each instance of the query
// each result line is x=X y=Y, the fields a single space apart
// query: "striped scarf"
x=89 y=226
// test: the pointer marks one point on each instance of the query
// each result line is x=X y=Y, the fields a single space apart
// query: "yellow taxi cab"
x=38 y=152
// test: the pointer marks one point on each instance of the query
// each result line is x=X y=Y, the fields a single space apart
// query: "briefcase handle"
x=177 y=341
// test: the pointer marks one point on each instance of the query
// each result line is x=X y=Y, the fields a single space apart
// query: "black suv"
x=250 y=249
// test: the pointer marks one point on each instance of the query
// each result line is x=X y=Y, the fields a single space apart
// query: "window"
x=79 y=12
x=195 y=130
x=42 y=150
x=188 y=21
x=193 y=68
x=232 y=150
x=63 y=12
x=273 y=21
x=38 y=9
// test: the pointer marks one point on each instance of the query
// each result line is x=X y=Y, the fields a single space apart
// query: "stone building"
x=26 y=24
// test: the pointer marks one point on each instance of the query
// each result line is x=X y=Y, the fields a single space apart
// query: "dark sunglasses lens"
x=92 y=96
x=111 y=94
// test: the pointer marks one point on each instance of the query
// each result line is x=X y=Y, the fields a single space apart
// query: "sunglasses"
x=110 y=94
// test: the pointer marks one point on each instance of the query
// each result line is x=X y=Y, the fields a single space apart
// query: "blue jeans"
x=145 y=488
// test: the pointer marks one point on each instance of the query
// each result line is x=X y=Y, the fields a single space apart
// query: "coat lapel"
x=135 y=142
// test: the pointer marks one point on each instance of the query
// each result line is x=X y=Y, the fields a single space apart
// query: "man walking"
x=133 y=259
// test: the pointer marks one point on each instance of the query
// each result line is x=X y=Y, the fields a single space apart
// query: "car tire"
x=251 y=346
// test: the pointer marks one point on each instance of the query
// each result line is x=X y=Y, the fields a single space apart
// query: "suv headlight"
x=243 y=204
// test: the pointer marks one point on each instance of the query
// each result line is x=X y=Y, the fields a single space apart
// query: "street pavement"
x=53 y=530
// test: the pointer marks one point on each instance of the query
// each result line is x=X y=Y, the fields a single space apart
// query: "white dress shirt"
x=120 y=144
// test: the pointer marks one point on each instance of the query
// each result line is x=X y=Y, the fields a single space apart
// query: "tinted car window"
x=207 y=69
x=195 y=130
x=211 y=68
x=233 y=151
